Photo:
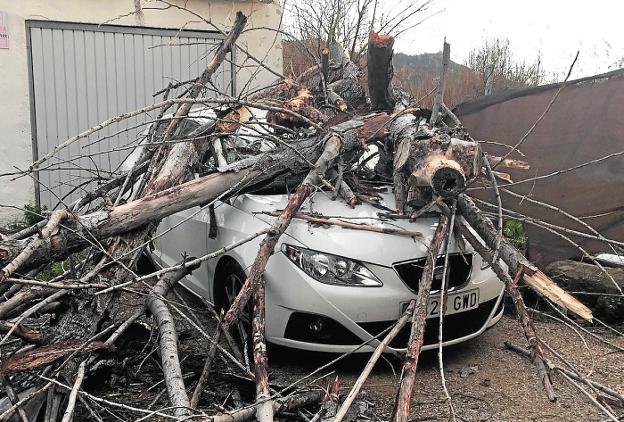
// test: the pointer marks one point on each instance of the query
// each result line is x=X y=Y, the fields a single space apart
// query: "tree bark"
x=22 y=297
x=440 y=163
x=37 y=242
x=329 y=402
x=264 y=407
x=586 y=277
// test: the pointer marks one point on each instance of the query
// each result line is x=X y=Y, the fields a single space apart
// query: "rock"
x=576 y=276
x=468 y=370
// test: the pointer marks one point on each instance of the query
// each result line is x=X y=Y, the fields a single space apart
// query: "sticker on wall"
x=4 y=30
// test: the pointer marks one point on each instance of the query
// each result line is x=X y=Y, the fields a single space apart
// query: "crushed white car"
x=330 y=288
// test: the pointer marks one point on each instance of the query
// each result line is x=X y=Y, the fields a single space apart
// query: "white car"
x=329 y=288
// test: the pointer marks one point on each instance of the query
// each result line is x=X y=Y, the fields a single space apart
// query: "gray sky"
x=556 y=28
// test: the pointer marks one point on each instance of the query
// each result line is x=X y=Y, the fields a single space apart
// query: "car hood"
x=365 y=246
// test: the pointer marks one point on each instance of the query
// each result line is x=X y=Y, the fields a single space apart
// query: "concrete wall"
x=15 y=131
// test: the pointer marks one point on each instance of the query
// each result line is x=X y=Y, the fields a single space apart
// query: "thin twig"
x=71 y=402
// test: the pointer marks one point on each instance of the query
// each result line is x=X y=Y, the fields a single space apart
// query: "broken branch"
x=403 y=403
x=169 y=342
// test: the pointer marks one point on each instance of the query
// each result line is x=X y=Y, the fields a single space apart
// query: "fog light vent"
x=313 y=328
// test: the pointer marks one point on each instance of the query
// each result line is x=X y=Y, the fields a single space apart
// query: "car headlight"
x=331 y=269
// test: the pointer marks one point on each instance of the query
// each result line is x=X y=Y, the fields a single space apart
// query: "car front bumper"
x=358 y=317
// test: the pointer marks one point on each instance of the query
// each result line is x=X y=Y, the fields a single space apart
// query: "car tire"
x=232 y=277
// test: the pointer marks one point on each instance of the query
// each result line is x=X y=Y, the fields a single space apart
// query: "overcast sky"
x=556 y=28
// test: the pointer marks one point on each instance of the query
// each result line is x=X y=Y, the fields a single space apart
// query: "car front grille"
x=455 y=326
x=460 y=267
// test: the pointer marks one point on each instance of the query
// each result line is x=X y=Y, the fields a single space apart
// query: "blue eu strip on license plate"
x=455 y=303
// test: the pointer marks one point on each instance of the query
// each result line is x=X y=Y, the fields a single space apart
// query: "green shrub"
x=515 y=232
x=49 y=273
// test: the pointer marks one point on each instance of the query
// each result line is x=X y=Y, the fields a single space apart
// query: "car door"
x=184 y=234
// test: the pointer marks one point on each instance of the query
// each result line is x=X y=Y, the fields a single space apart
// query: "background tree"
x=316 y=23
x=489 y=68
x=618 y=64
x=495 y=64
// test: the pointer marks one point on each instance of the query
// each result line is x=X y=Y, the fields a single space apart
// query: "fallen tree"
x=319 y=126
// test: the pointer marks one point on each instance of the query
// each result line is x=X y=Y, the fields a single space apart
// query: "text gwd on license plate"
x=455 y=303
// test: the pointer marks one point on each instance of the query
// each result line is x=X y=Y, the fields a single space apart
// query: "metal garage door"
x=83 y=74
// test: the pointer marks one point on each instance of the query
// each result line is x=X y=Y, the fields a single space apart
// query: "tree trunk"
x=380 y=71
x=440 y=163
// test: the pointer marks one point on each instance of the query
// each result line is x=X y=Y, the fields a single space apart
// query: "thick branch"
x=37 y=242
x=264 y=408
x=515 y=260
x=403 y=401
x=76 y=235
x=440 y=163
x=168 y=339
x=200 y=83
x=281 y=405
x=332 y=148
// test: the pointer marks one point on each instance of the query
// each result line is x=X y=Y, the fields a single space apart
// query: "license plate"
x=455 y=303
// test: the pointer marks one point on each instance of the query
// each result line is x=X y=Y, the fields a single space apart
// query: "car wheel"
x=232 y=279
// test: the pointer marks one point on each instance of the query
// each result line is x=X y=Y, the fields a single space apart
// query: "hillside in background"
x=424 y=64
x=416 y=74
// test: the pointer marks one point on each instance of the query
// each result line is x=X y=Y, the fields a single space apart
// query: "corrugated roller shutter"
x=84 y=74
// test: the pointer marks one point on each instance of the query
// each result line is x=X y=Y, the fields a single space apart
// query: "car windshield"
x=250 y=139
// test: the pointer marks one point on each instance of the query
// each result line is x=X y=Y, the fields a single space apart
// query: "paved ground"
x=504 y=388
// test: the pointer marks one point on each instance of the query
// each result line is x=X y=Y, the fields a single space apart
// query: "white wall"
x=15 y=134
